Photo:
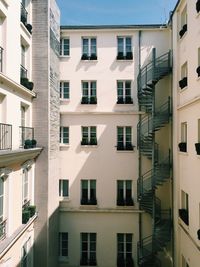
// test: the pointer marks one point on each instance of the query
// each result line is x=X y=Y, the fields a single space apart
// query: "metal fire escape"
x=154 y=119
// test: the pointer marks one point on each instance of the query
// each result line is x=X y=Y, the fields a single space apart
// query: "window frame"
x=27 y=257
x=89 y=92
x=62 y=188
x=88 y=192
x=2 y=197
x=89 y=135
x=124 y=246
x=63 y=88
x=61 y=240
x=124 y=50
x=125 y=193
x=62 y=47
x=89 y=54
x=126 y=142
x=88 y=247
x=25 y=186
x=62 y=128
x=125 y=97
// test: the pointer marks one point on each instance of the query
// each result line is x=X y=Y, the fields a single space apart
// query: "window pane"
x=93 y=89
x=66 y=90
x=120 y=89
x=65 y=188
x=66 y=47
x=120 y=43
x=120 y=135
x=92 y=236
x=85 y=88
x=93 y=46
x=128 y=44
x=65 y=135
x=85 y=133
x=85 y=46
x=92 y=132
x=128 y=134
x=84 y=235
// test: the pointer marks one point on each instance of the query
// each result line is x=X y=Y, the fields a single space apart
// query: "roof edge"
x=110 y=27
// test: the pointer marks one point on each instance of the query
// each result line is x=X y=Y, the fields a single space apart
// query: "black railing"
x=5 y=136
x=26 y=133
x=23 y=72
x=1 y=59
x=24 y=14
x=2 y=229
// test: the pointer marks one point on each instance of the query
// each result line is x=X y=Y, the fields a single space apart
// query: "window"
x=124 y=138
x=124 y=193
x=124 y=47
x=88 y=192
x=25 y=254
x=183 y=22
x=64 y=47
x=184 y=211
x=124 y=250
x=89 y=135
x=88 y=249
x=63 y=245
x=64 y=90
x=124 y=92
x=89 y=48
x=198 y=68
x=184 y=74
x=89 y=92
x=25 y=186
x=183 y=144
x=2 y=223
x=63 y=188
x=64 y=135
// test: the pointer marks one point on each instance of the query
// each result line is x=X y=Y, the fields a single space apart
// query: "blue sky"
x=96 y=12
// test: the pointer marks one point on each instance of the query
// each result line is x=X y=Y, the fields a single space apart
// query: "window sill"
x=124 y=60
x=64 y=199
x=63 y=259
x=125 y=151
x=183 y=224
x=183 y=37
x=64 y=146
x=198 y=15
x=182 y=90
x=89 y=145
x=63 y=100
x=62 y=56
x=183 y=153
x=89 y=60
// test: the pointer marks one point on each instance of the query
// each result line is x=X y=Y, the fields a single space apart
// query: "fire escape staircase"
x=154 y=120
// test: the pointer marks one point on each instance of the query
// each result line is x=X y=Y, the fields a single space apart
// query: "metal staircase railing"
x=154 y=120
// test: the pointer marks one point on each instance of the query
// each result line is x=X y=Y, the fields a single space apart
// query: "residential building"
x=186 y=50
x=100 y=178
x=18 y=147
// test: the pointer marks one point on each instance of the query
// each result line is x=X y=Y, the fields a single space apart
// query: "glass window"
x=64 y=90
x=89 y=48
x=63 y=245
x=124 y=249
x=64 y=135
x=124 y=138
x=88 y=192
x=64 y=47
x=25 y=254
x=25 y=189
x=124 y=47
x=124 y=193
x=63 y=188
x=124 y=92
x=89 y=135
x=88 y=249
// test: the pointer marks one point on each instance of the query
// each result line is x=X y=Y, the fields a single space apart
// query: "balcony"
x=28 y=211
x=5 y=136
x=183 y=30
x=126 y=146
x=125 y=100
x=1 y=59
x=2 y=229
x=198 y=71
x=24 y=78
x=24 y=18
x=182 y=147
x=89 y=100
x=183 y=83
x=87 y=57
x=184 y=215
x=27 y=137
x=127 y=56
x=198 y=6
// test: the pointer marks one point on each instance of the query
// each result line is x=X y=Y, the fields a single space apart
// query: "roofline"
x=173 y=11
x=111 y=27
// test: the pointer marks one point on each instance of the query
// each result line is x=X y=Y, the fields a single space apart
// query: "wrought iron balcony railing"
x=5 y=136
x=26 y=133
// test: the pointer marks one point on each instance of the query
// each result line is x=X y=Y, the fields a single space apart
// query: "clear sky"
x=97 y=12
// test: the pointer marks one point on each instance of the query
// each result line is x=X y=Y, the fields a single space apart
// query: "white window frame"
x=124 y=88
x=184 y=132
x=25 y=186
x=61 y=247
x=124 y=38
x=64 y=85
x=89 y=245
x=90 y=132
x=184 y=70
x=89 y=187
x=62 y=135
x=91 y=91
x=124 y=134
x=89 y=46
x=62 y=47
x=61 y=188
x=125 y=187
x=124 y=252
